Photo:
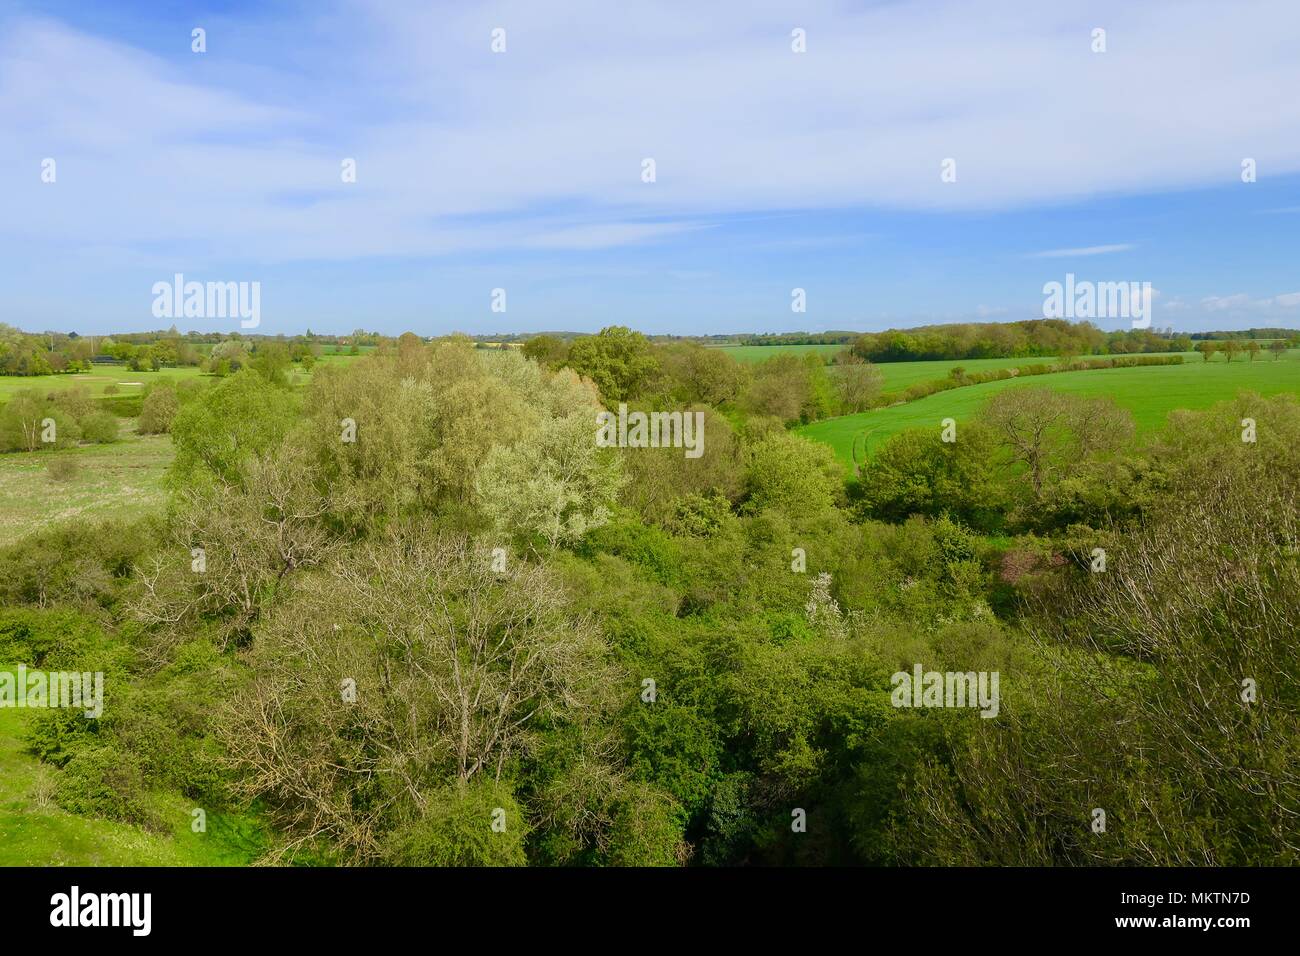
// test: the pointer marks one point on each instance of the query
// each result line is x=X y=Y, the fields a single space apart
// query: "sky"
x=915 y=162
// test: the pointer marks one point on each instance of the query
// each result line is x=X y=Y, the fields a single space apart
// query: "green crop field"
x=761 y=353
x=898 y=375
x=1149 y=392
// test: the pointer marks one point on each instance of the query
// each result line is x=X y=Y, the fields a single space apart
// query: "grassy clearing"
x=1149 y=392
x=129 y=382
x=122 y=479
x=95 y=381
x=118 y=480
x=34 y=831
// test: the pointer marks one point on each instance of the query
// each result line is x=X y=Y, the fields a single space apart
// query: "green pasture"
x=1149 y=392
x=761 y=353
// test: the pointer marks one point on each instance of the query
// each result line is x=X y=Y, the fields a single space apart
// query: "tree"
x=1278 y=348
x=1144 y=682
x=252 y=536
x=660 y=479
x=24 y=418
x=621 y=362
x=701 y=374
x=1051 y=433
x=792 y=474
x=792 y=388
x=272 y=362
x=228 y=356
x=451 y=829
x=1207 y=349
x=549 y=350
x=1252 y=349
x=158 y=410
x=915 y=472
x=858 y=384
x=1231 y=348
x=553 y=486
x=427 y=669
x=243 y=416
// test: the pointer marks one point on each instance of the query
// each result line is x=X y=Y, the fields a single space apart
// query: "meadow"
x=761 y=353
x=1149 y=392
x=128 y=382
x=96 y=380
x=121 y=479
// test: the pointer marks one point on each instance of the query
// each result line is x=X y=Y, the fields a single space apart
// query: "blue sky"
x=522 y=170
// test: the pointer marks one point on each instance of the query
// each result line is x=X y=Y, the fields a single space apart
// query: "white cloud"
x=1224 y=303
x=457 y=147
x=604 y=235
x=1241 y=302
x=1084 y=251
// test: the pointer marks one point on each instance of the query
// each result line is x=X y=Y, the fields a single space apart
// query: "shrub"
x=158 y=410
x=103 y=782
x=99 y=427
x=478 y=824
x=63 y=468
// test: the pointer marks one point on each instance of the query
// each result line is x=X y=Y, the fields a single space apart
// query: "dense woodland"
x=647 y=659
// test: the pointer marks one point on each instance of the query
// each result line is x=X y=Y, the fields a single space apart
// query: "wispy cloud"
x=1083 y=251
x=1240 y=302
x=202 y=149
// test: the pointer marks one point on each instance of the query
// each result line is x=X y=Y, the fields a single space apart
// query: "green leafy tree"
x=158 y=410
x=793 y=475
x=243 y=416
x=621 y=362
x=915 y=472
x=549 y=350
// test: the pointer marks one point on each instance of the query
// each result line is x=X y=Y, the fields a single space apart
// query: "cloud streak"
x=1084 y=251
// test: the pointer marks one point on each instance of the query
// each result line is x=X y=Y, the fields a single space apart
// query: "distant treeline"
x=52 y=353
x=798 y=338
x=1291 y=335
x=1029 y=339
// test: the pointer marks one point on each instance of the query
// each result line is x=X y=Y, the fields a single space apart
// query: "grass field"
x=95 y=380
x=122 y=479
x=1149 y=392
x=761 y=353
x=129 y=382
x=898 y=375
x=34 y=831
